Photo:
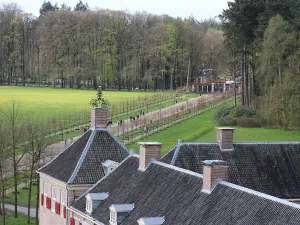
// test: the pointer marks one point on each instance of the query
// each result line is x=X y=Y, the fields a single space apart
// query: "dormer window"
x=89 y=204
x=109 y=166
x=119 y=212
x=93 y=200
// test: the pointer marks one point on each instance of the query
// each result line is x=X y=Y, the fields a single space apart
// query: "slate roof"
x=167 y=191
x=271 y=168
x=81 y=163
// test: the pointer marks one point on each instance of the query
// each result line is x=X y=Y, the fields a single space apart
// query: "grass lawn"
x=23 y=196
x=202 y=128
x=21 y=220
x=47 y=102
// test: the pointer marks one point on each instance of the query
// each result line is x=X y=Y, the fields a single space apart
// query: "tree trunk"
x=16 y=187
x=37 y=201
x=188 y=74
x=2 y=195
x=30 y=189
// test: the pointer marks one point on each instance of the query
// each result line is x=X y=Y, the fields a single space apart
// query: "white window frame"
x=54 y=193
x=45 y=189
x=89 y=206
x=63 y=198
x=53 y=198
x=113 y=217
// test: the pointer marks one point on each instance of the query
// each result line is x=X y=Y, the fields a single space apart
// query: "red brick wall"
x=212 y=173
x=148 y=152
x=99 y=117
x=225 y=137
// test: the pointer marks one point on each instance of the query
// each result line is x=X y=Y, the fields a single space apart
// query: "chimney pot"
x=225 y=138
x=214 y=170
x=99 y=117
x=148 y=152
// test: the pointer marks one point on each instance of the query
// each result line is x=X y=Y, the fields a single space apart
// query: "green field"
x=202 y=129
x=21 y=220
x=52 y=102
x=23 y=197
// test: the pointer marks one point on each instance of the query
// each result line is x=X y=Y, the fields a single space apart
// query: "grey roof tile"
x=81 y=163
x=271 y=168
x=164 y=191
x=64 y=164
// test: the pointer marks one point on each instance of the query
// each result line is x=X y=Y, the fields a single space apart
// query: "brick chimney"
x=225 y=138
x=148 y=151
x=214 y=170
x=99 y=117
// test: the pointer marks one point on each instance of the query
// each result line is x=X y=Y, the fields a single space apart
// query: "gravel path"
x=21 y=209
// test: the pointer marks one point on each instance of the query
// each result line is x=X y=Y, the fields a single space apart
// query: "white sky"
x=200 y=9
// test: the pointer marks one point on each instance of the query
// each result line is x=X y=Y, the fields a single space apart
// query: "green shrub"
x=238 y=116
x=249 y=122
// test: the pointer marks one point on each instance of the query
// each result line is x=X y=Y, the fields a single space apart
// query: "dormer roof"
x=151 y=220
x=97 y=196
x=109 y=163
x=122 y=207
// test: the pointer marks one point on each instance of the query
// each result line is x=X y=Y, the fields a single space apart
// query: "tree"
x=214 y=51
x=48 y=7
x=81 y=7
x=37 y=141
x=279 y=73
x=3 y=171
x=13 y=118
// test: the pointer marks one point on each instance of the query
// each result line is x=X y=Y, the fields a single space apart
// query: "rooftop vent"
x=151 y=220
x=214 y=170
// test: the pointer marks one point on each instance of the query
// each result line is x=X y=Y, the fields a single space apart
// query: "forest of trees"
x=257 y=40
x=84 y=48
x=264 y=40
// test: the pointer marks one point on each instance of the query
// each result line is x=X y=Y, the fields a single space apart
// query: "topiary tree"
x=99 y=101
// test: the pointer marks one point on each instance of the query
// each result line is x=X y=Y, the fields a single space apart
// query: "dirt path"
x=21 y=209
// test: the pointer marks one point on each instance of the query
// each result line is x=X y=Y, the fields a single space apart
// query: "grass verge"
x=23 y=196
x=202 y=129
x=21 y=220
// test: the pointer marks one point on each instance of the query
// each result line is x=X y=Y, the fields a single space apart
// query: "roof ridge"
x=260 y=194
x=269 y=142
x=82 y=157
x=197 y=143
x=177 y=150
x=169 y=152
x=266 y=142
x=177 y=168
x=61 y=152
x=117 y=140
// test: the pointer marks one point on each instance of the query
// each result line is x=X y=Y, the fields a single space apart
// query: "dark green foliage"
x=48 y=7
x=80 y=6
x=264 y=39
x=99 y=101
x=237 y=116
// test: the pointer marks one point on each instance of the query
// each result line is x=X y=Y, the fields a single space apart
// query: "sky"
x=200 y=9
